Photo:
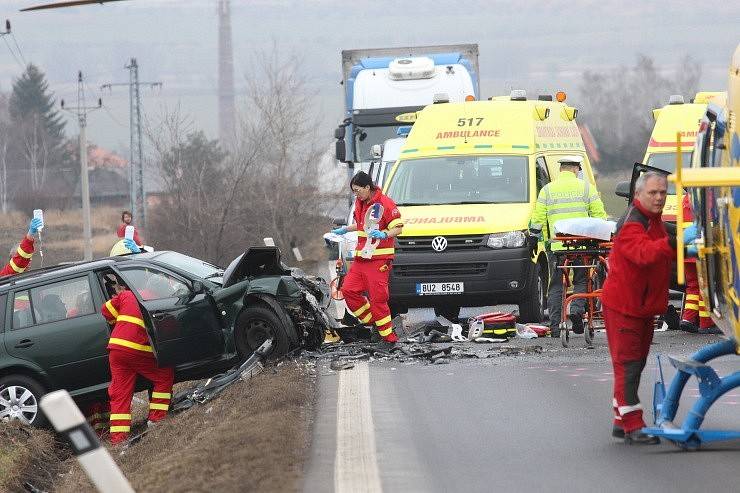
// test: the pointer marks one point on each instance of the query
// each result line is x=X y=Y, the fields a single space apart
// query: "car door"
x=57 y=327
x=183 y=326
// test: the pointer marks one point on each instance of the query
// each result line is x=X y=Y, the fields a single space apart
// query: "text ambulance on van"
x=671 y=119
x=466 y=183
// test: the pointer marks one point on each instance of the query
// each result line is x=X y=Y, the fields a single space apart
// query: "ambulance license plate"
x=439 y=288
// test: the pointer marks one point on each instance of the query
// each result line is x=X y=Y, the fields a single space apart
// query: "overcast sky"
x=540 y=46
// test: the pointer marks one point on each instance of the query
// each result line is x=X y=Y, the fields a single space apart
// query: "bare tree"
x=282 y=113
x=616 y=105
x=35 y=150
x=217 y=203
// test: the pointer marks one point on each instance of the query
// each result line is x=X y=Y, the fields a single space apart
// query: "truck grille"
x=435 y=270
x=424 y=243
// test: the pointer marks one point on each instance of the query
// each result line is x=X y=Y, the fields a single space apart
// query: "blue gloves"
x=377 y=234
x=690 y=234
x=131 y=246
x=33 y=228
x=340 y=231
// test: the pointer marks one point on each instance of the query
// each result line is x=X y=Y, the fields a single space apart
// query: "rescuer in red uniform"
x=21 y=256
x=126 y=218
x=370 y=268
x=694 y=309
x=130 y=354
x=636 y=289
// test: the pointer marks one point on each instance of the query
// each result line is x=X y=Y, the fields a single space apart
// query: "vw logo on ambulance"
x=439 y=243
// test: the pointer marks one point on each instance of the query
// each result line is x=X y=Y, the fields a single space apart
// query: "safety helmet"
x=119 y=249
x=571 y=161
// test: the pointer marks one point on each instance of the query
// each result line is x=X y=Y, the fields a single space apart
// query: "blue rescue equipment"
x=689 y=434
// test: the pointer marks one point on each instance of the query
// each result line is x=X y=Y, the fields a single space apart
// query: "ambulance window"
x=461 y=180
x=543 y=177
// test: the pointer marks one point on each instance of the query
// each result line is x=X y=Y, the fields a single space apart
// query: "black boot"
x=710 y=330
x=617 y=431
x=687 y=326
x=577 y=321
x=639 y=438
x=555 y=332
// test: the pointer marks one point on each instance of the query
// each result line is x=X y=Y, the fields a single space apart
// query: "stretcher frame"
x=592 y=254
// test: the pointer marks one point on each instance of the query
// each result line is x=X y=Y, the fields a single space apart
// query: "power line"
x=25 y=63
x=13 y=53
x=8 y=31
x=112 y=117
x=105 y=108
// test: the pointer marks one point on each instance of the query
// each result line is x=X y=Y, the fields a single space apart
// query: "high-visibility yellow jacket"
x=565 y=197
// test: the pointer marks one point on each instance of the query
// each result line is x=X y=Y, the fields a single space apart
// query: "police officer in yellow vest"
x=566 y=197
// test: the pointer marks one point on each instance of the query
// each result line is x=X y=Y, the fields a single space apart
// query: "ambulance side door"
x=182 y=324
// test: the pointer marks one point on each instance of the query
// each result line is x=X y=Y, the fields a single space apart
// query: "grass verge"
x=253 y=437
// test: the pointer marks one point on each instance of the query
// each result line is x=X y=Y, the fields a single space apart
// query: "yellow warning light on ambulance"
x=560 y=96
x=469 y=97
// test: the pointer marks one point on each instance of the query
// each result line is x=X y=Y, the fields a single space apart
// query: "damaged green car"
x=201 y=320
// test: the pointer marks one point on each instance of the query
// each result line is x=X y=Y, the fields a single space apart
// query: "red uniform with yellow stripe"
x=21 y=258
x=130 y=355
x=129 y=333
x=390 y=219
x=370 y=276
x=694 y=309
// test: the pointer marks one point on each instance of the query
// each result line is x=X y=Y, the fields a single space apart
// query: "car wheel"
x=19 y=400
x=532 y=309
x=257 y=324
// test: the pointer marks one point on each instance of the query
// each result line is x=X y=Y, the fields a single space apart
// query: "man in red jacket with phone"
x=635 y=291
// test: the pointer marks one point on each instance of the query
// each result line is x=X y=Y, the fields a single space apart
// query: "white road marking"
x=355 y=464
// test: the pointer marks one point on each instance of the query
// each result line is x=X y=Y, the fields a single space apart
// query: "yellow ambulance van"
x=676 y=116
x=466 y=182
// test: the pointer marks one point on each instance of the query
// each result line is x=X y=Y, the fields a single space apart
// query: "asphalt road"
x=510 y=423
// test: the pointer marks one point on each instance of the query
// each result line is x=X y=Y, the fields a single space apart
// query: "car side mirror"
x=339 y=133
x=623 y=189
x=377 y=151
x=340 y=151
x=199 y=287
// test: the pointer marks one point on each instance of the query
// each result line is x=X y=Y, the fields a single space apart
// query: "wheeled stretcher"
x=589 y=254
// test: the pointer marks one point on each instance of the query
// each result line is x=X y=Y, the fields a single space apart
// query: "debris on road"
x=488 y=340
x=338 y=365
x=206 y=391
x=343 y=355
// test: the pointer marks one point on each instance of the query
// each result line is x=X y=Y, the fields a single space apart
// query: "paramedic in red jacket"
x=130 y=354
x=636 y=289
x=369 y=271
x=21 y=256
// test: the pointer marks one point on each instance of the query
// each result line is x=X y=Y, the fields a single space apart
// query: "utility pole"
x=137 y=192
x=81 y=111
x=226 y=104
